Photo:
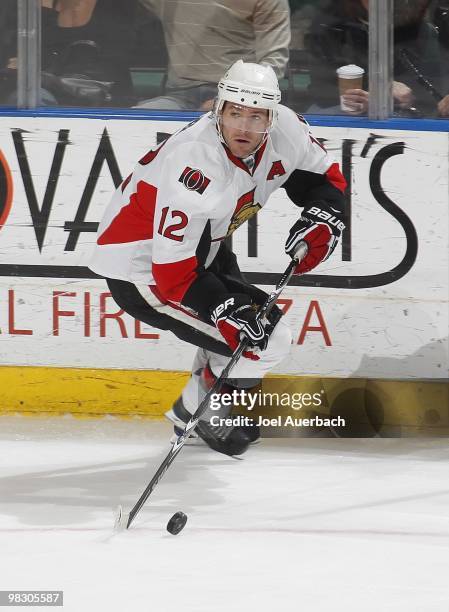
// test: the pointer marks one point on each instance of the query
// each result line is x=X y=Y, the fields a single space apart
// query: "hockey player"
x=161 y=246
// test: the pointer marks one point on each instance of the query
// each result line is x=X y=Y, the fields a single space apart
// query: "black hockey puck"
x=177 y=523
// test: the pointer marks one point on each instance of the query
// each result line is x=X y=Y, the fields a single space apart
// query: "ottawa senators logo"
x=277 y=169
x=244 y=210
x=194 y=180
x=5 y=190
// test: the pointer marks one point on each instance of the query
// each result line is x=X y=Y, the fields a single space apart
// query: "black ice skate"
x=252 y=431
x=229 y=440
x=208 y=378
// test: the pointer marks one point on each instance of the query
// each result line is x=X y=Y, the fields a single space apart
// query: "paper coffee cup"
x=349 y=77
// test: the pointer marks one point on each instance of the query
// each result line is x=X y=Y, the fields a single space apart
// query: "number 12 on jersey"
x=169 y=230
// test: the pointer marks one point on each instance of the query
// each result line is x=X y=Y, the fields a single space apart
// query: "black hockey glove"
x=320 y=226
x=235 y=317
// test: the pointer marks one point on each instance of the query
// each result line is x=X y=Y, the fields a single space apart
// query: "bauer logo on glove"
x=235 y=317
x=221 y=308
x=320 y=227
x=328 y=217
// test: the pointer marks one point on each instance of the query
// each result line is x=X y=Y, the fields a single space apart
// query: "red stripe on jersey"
x=173 y=279
x=135 y=220
x=335 y=177
x=126 y=181
x=155 y=291
x=236 y=160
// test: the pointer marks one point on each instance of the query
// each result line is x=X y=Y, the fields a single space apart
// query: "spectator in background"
x=205 y=37
x=339 y=36
x=86 y=45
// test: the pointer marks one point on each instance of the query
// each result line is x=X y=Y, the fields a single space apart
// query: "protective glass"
x=245 y=119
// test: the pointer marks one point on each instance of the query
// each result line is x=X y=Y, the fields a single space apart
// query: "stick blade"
x=121 y=519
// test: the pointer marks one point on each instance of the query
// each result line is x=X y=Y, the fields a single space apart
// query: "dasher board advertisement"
x=377 y=308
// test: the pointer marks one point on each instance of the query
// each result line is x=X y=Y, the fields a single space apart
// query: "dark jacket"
x=335 y=41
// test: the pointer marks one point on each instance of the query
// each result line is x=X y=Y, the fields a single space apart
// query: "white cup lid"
x=350 y=71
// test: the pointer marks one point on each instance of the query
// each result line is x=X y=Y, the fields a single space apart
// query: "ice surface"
x=300 y=524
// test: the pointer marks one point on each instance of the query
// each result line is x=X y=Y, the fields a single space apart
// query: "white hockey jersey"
x=166 y=221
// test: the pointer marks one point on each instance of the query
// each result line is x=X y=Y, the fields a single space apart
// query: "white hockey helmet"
x=252 y=86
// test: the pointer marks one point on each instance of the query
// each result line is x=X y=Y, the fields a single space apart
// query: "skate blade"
x=121 y=519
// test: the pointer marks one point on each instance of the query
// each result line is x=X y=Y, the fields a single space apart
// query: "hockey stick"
x=124 y=520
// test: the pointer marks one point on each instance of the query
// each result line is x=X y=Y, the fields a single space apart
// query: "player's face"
x=243 y=128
